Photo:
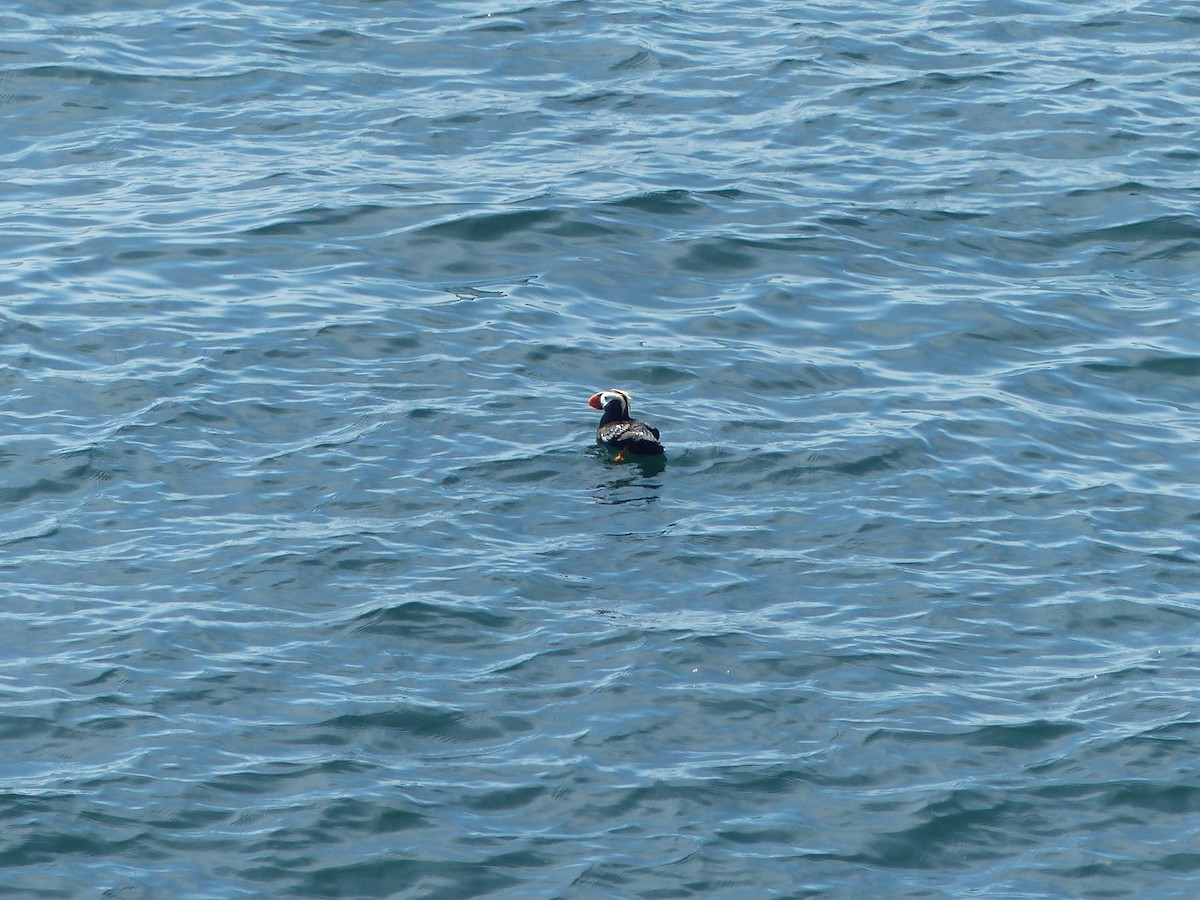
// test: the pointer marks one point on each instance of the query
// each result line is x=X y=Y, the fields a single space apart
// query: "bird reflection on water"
x=628 y=480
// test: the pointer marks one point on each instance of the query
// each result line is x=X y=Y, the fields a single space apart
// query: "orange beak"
x=594 y=402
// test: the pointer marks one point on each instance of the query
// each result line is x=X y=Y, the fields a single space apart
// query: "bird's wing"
x=620 y=432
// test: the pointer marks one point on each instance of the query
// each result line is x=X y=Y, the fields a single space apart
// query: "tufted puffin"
x=619 y=432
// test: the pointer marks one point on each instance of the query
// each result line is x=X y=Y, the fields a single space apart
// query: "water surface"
x=316 y=585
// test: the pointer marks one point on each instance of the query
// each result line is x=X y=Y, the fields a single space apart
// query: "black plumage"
x=618 y=431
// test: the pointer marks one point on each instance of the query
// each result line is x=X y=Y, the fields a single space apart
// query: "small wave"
x=1172 y=366
x=496 y=226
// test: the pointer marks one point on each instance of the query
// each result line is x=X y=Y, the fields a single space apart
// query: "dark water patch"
x=938 y=83
x=1025 y=736
x=1179 y=367
x=441 y=724
x=494 y=226
x=416 y=617
x=320 y=218
x=501 y=25
x=1167 y=800
x=430 y=876
x=372 y=817
x=718 y=255
x=609 y=100
x=957 y=833
x=1159 y=229
x=668 y=203
x=44 y=487
x=642 y=59
x=93 y=76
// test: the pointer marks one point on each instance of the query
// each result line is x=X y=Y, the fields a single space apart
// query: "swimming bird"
x=618 y=431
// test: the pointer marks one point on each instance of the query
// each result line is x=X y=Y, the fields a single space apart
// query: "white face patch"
x=609 y=396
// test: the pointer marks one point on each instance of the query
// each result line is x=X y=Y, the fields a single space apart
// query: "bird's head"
x=611 y=401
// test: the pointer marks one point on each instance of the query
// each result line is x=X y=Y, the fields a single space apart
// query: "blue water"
x=315 y=584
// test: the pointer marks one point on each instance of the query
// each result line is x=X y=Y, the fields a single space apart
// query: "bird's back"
x=630 y=435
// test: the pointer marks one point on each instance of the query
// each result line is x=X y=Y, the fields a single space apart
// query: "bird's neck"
x=613 y=413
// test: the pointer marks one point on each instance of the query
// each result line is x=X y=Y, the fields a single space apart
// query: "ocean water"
x=315 y=585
